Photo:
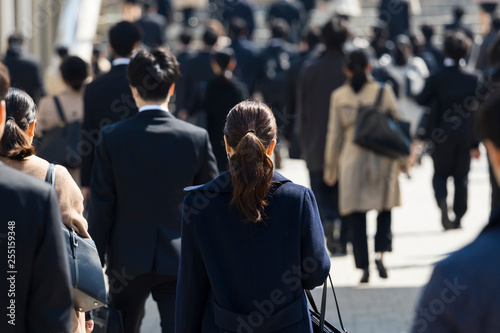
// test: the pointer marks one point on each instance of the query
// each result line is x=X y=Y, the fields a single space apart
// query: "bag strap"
x=60 y=110
x=51 y=175
x=380 y=95
x=323 y=304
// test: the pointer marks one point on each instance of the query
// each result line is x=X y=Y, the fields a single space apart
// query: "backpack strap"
x=60 y=110
x=380 y=95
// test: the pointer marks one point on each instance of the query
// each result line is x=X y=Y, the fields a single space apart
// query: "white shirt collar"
x=153 y=107
x=120 y=61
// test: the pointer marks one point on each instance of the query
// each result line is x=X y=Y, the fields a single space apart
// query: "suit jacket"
x=452 y=94
x=195 y=71
x=466 y=285
x=154 y=29
x=231 y=268
x=246 y=61
x=142 y=165
x=318 y=79
x=107 y=100
x=243 y=9
x=41 y=289
x=25 y=73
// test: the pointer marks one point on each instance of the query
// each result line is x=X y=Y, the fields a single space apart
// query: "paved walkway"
x=387 y=305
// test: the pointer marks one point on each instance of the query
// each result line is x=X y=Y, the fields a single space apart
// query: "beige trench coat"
x=366 y=180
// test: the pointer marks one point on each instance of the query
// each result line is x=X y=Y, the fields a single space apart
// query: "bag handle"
x=51 y=175
x=378 y=102
x=323 y=304
x=60 y=110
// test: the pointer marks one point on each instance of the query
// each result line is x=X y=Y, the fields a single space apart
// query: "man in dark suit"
x=318 y=79
x=293 y=12
x=243 y=9
x=462 y=294
x=198 y=69
x=458 y=14
x=34 y=298
x=153 y=26
x=245 y=51
x=449 y=93
x=142 y=165
x=25 y=72
x=108 y=98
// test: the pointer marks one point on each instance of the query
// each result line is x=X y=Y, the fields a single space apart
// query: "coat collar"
x=223 y=183
x=154 y=113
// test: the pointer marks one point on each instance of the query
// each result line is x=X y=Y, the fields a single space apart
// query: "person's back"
x=142 y=165
x=35 y=299
x=256 y=224
x=292 y=12
x=466 y=283
x=242 y=9
x=25 y=72
x=108 y=98
x=153 y=26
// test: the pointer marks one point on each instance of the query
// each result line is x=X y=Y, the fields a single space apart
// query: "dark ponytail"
x=250 y=129
x=357 y=61
x=21 y=112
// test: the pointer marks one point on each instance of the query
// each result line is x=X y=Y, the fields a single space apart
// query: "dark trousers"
x=452 y=159
x=383 y=237
x=130 y=298
x=327 y=198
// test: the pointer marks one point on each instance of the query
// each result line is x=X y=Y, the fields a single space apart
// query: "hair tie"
x=250 y=131
x=10 y=118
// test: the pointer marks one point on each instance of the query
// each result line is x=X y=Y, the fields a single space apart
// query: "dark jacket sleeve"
x=51 y=297
x=88 y=139
x=428 y=93
x=102 y=200
x=193 y=284
x=315 y=259
x=207 y=170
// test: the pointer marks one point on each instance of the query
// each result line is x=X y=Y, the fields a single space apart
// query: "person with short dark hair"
x=319 y=77
x=243 y=9
x=293 y=12
x=487 y=9
x=245 y=51
x=457 y=24
x=469 y=277
x=25 y=71
x=450 y=132
x=218 y=95
x=108 y=98
x=254 y=234
x=141 y=166
x=36 y=298
x=152 y=25
x=196 y=70
x=74 y=72
x=428 y=33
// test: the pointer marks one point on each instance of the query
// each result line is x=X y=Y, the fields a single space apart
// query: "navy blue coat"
x=463 y=294
x=238 y=276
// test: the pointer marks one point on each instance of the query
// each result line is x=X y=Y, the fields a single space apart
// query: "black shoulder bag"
x=319 y=323
x=87 y=277
x=60 y=145
x=380 y=132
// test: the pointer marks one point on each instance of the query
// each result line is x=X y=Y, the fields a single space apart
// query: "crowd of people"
x=174 y=170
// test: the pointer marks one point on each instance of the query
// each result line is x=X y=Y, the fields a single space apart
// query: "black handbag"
x=60 y=145
x=319 y=323
x=87 y=277
x=380 y=132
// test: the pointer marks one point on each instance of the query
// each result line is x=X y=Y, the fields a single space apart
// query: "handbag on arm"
x=319 y=323
x=87 y=277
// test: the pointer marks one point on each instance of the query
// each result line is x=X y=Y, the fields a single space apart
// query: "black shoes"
x=445 y=219
x=366 y=276
x=382 y=271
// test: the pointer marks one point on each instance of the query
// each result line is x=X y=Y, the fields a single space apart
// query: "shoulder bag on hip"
x=60 y=145
x=380 y=132
x=319 y=323
x=87 y=277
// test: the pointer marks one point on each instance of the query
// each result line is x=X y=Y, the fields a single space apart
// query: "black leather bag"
x=87 y=277
x=380 y=132
x=319 y=323
x=60 y=145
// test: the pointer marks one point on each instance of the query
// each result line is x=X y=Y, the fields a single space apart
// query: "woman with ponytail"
x=367 y=181
x=16 y=151
x=251 y=240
